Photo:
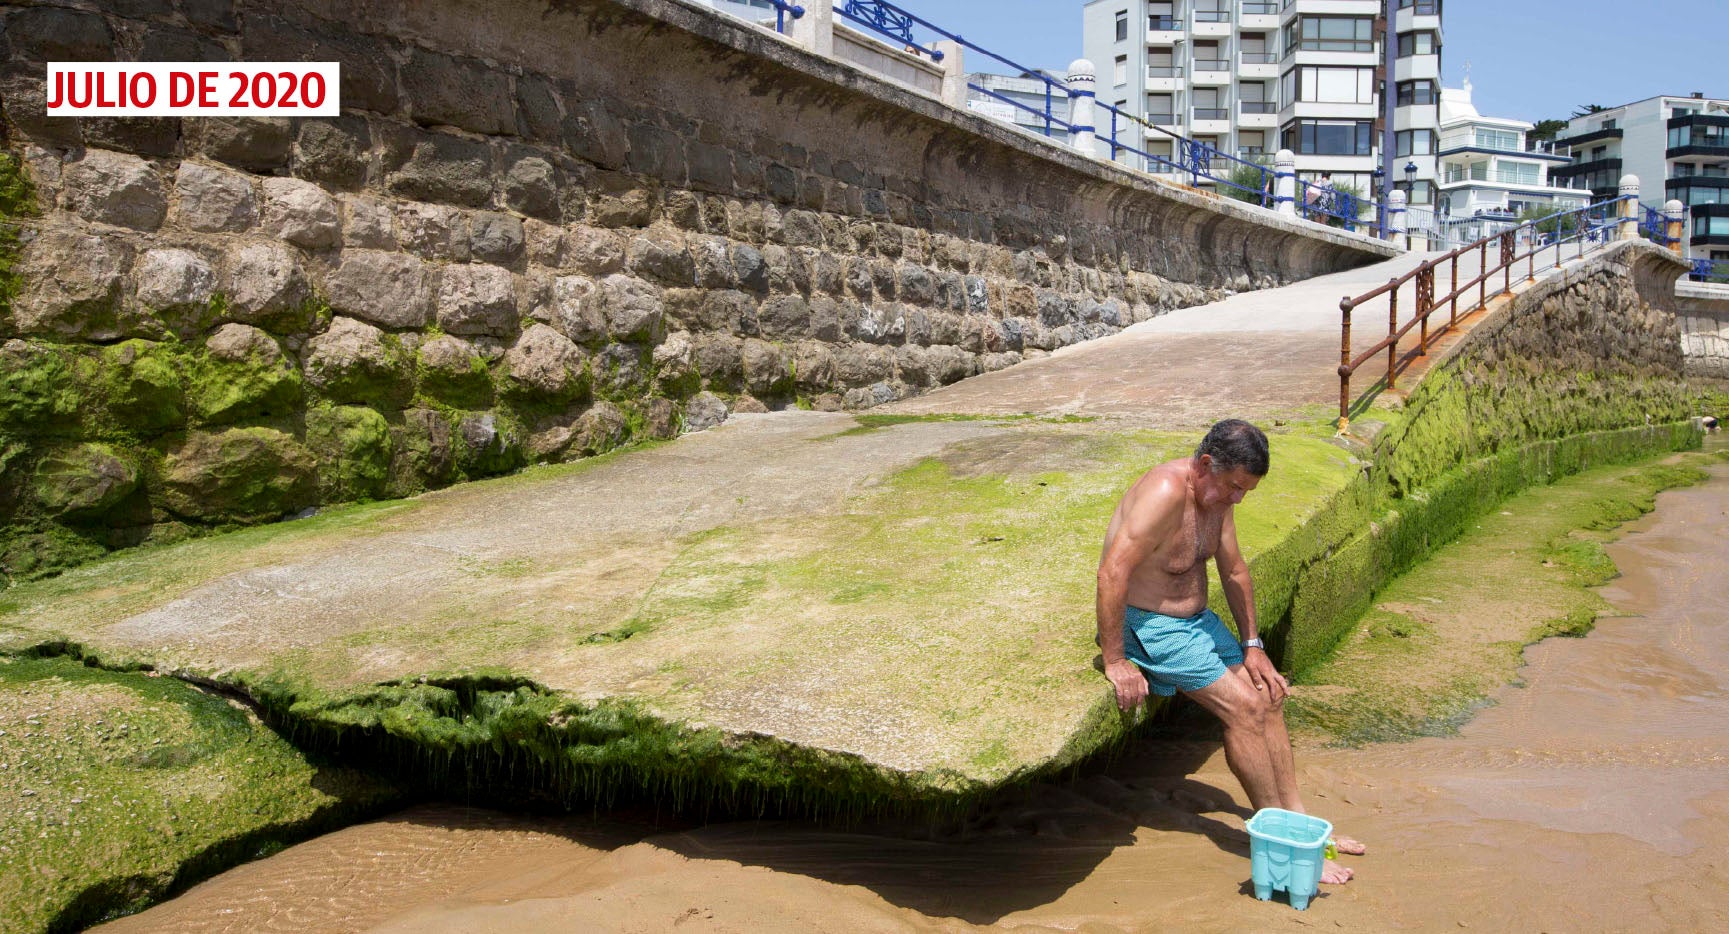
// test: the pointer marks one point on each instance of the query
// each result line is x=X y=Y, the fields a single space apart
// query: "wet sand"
x=1594 y=797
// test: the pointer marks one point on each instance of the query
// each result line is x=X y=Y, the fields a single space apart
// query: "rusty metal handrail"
x=1584 y=230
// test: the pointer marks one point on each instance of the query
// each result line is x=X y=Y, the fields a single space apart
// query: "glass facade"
x=1330 y=34
x=1329 y=137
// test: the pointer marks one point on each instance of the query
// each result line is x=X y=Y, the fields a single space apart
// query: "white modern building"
x=1022 y=100
x=1252 y=76
x=1489 y=174
x=1679 y=148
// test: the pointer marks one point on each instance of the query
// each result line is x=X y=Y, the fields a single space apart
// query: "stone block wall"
x=1703 y=310
x=538 y=231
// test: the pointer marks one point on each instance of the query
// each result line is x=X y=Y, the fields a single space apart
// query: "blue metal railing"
x=895 y=23
x=782 y=10
x=1710 y=270
x=1198 y=160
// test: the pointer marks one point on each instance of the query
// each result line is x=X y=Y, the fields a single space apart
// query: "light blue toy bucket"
x=1286 y=851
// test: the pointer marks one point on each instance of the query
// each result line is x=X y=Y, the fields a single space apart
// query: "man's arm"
x=1136 y=537
x=1240 y=594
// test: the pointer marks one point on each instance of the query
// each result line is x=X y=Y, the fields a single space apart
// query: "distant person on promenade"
x=1156 y=632
x=1319 y=196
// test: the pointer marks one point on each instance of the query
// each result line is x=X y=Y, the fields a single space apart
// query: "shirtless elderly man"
x=1154 y=626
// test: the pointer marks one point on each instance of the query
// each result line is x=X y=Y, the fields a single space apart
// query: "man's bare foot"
x=1335 y=874
x=1348 y=846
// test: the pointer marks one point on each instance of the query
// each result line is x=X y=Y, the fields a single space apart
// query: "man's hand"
x=1264 y=675
x=1130 y=684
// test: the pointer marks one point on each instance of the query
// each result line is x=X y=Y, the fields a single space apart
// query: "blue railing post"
x=782 y=10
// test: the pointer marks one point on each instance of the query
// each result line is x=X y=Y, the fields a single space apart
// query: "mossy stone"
x=144 y=385
x=453 y=373
x=354 y=446
x=239 y=475
x=353 y=362
x=31 y=554
x=491 y=443
x=83 y=481
x=423 y=452
x=242 y=374
x=41 y=390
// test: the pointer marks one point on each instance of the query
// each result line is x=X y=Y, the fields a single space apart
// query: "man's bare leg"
x=1243 y=711
x=1266 y=772
x=1284 y=764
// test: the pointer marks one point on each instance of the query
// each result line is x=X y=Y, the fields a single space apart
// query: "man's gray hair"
x=1234 y=443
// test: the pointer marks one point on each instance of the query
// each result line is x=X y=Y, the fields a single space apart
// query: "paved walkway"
x=1256 y=354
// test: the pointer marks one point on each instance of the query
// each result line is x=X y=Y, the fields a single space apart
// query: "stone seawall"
x=1582 y=369
x=539 y=231
x=1703 y=310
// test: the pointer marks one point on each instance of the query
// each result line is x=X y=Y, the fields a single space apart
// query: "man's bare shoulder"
x=1159 y=493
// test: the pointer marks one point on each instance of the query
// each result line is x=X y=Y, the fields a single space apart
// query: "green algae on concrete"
x=1444 y=635
x=924 y=641
x=122 y=787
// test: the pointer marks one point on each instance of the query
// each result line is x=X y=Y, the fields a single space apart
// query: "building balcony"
x=1710 y=225
x=1709 y=154
x=1586 y=168
x=1164 y=77
x=1695 y=190
x=1582 y=139
x=1210 y=71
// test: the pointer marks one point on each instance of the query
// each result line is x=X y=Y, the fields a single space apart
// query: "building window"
x=1120 y=70
x=1123 y=26
x=1505 y=140
x=1422 y=192
x=1414 y=142
x=1412 y=93
x=1329 y=137
x=1711 y=226
x=1418 y=43
x=1330 y=85
x=1423 y=7
x=1331 y=34
x=1162 y=15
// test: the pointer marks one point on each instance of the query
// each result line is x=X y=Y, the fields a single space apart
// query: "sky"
x=1529 y=59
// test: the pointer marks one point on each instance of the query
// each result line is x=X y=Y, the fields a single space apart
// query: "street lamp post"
x=1378 y=194
x=1410 y=196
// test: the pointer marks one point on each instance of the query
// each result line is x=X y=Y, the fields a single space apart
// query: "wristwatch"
x=1254 y=644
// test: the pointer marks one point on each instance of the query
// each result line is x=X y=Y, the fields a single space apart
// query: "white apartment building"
x=1252 y=76
x=1679 y=148
x=1033 y=95
x=1488 y=175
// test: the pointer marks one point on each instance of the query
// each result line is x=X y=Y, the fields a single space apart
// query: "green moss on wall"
x=122 y=788
x=353 y=446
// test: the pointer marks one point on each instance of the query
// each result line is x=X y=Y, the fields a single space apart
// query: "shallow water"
x=1593 y=797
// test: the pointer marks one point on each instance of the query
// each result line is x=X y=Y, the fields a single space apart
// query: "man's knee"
x=1249 y=709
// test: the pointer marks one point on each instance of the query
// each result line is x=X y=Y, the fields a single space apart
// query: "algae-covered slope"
x=910 y=607
x=1442 y=637
x=120 y=787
